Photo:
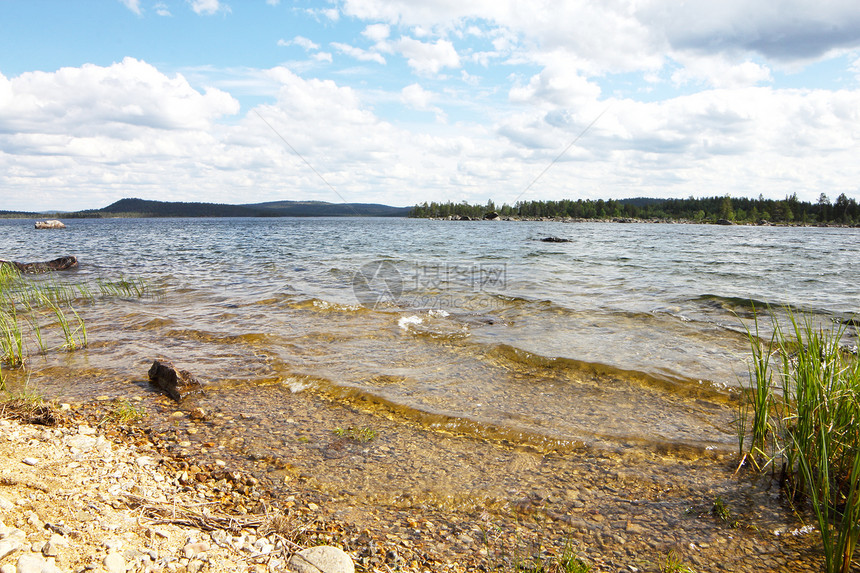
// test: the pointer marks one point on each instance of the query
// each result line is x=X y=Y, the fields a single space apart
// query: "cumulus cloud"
x=358 y=53
x=718 y=72
x=377 y=32
x=630 y=35
x=93 y=99
x=133 y=5
x=417 y=98
x=428 y=58
x=300 y=41
x=162 y=10
x=558 y=85
x=208 y=7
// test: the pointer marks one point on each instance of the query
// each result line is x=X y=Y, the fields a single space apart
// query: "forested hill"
x=842 y=211
x=145 y=208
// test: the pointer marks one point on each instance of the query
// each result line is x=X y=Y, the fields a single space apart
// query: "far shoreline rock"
x=50 y=224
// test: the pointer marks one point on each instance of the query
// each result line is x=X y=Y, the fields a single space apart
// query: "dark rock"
x=555 y=240
x=52 y=224
x=176 y=383
x=60 y=264
x=491 y=216
x=724 y=222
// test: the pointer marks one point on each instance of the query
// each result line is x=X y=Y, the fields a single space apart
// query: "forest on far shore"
x=791 y=210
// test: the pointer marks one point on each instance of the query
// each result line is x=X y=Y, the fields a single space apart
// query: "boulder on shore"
x=60 y=264
x=51 y=224
x=175 y=382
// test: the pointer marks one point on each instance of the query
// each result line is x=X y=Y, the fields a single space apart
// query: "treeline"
x=843 y=211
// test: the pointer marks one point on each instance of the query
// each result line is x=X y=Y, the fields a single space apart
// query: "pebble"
x=322 y=558
x=33 y=563
x=85 y=430
x=8 y=546
x=195 y=549
x=81 y=442
x=30 y=461
x=114 y=563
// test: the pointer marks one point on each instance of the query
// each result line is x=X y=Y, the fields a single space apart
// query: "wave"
x=514 y=429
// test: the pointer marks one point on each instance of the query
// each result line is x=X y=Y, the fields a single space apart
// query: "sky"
x=400 y=102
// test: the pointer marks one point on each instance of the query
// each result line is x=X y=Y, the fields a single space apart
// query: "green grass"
x=361 y=435
x=32 y=306
x=812 y=430
x=675 y=564
x=566 y=562
x=125 y=412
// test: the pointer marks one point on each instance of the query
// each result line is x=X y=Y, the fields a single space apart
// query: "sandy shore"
x=82 y=490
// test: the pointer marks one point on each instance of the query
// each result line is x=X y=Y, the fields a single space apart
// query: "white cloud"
x=162 y=10
x=133 y=5
x=720 y=73
x=300 y=41
x=416 y=97
x=208 y=7
x=85 y=136
x=426 y=58
x=377 y=32
x=558 y=85
x=358 y=53
x=94 y=99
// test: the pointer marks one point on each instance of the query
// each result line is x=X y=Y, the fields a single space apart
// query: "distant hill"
x=16 y=214
x=321 y=208
x=145 y=208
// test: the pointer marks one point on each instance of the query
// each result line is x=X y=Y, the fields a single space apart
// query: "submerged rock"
x=59 y=264
x=176 y=383
x=555 y=240
x=51 y=224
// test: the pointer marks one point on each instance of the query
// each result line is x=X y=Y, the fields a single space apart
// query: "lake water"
x=627 y=335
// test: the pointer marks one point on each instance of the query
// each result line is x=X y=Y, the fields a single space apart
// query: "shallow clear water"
x=628 y=334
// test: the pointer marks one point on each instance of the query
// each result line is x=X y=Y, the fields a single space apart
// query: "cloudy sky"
x=398 y=102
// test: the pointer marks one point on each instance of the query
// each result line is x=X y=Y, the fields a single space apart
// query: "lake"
x=625 y=335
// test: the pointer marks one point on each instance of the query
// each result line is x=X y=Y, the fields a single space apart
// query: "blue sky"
x=400 y=102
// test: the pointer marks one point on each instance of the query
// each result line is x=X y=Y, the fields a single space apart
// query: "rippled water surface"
x=625 y=335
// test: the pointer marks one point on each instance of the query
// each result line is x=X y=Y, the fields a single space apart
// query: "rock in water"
x=60 y=264
x=177 y=383
x=322 y=559
x=52 y=224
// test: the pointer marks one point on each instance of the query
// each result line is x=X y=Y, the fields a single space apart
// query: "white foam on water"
x=406 y=321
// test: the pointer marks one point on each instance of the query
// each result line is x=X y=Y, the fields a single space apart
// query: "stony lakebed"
x=180 y=489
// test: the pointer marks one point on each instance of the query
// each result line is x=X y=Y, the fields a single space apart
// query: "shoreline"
x=628 y=220
x=610 y=518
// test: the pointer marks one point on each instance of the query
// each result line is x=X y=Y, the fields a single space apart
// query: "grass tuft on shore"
x=811 y=428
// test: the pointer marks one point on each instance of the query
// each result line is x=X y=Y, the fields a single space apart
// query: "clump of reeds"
x=25 y=303
x=812 y=429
